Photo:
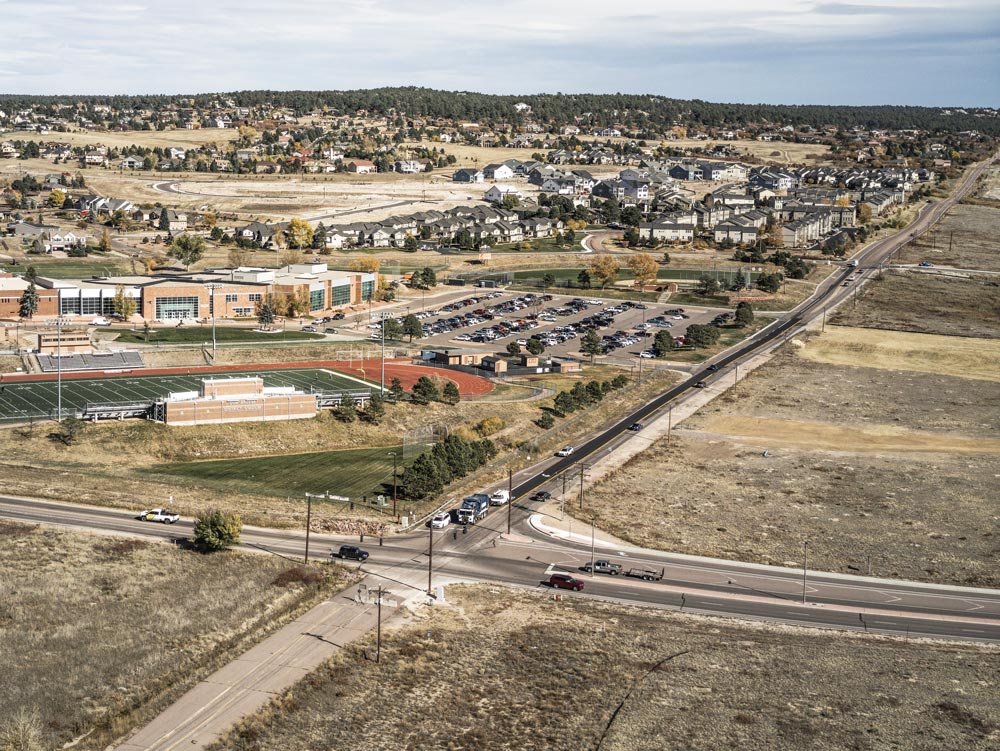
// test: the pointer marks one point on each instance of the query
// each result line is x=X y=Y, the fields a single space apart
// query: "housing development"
x=412 y=418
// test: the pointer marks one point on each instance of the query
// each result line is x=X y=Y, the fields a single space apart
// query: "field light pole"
x=805 y=553
x=211 y=289
x=59 y=325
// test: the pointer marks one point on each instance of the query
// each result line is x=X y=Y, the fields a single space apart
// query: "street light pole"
x=394 y=476
x=430 y=559
x=510 y=495
x=592 y=518
x=805 y=553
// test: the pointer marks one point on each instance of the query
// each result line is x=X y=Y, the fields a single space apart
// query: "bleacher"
x=124 y=360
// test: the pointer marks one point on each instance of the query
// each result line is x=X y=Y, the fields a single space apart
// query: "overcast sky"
x=928 y=52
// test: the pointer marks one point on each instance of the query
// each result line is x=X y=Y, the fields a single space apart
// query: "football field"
x=39 y=399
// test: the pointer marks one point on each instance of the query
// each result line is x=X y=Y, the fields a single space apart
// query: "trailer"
x=646 y=574
x=473 y=508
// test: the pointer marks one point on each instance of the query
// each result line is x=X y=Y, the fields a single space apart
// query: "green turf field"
x=203 y=334
x=22 y=401
x=352 y=473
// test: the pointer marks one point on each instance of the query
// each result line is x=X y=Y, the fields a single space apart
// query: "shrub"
x=490 y=425
x=546 y=421
x=298 y=575
x=216 y=530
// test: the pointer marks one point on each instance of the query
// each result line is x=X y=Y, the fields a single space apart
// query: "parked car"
x=166 y=516
x=350 y=553
x=565 y=581
x=311 y=329
x=635 y=427
x=565 y=451
x=440 y=521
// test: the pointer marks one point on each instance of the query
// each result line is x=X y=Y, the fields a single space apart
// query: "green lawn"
x=353 y=473
x=71 y=268
x=200 y=334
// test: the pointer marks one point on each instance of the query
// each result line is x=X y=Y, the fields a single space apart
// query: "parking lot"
x=491 y=320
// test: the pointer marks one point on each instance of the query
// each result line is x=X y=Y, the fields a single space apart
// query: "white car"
x=159 y=515
x=647 y=354
x=595 y=302
x=100 y=321
x=565 y=451
x=440 y=521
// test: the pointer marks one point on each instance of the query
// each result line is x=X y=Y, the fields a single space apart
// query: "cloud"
x=739 y=50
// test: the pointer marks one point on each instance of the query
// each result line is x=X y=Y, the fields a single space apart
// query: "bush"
x=298 y=575
x=490 y=425
x=546 y=421
x=216 y=530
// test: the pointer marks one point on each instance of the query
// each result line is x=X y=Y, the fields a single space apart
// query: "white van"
x=100 y=321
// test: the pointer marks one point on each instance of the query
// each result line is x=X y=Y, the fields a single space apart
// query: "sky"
x=920 y=52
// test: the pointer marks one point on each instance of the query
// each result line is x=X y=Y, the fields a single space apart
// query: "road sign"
x=381 y=315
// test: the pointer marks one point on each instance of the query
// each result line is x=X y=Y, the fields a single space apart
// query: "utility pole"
x=582 y=470
x=378 y=627
x=670 y=421
x=824 y=319
x=510 y=495
x=309 y=506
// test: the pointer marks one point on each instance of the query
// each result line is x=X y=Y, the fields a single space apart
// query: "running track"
x=468 y=385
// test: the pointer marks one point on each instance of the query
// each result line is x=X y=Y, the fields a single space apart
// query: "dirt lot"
x=515 y=670
x=967 y=238
x=859 y=461
x=83 y=647
x=927 y=303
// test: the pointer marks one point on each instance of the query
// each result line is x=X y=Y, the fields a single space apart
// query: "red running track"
x=370 y=370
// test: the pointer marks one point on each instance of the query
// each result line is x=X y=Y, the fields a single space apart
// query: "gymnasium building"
x=172 y=296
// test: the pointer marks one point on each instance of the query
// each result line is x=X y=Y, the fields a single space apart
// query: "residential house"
x=361 y=166
x=497 y=193
x=498 y=172
x=468 y=176
x=132 y=163
x=408 y=167
x=666 y=230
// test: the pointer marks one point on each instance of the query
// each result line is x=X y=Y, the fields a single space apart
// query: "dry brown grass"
x=966 y=238
x=963 y=357
x=99 y=633
x=928 y=304
x=503 y=669
x=840 y=471
x=776 y=152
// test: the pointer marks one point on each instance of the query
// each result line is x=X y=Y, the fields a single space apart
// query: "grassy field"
x=862 y=461
x=966 y=238
x=201 y=334
x=19 y=401
x=71 y=268
x=927 y=303
x=351 y=473
x=504 y=669
x=100 y=633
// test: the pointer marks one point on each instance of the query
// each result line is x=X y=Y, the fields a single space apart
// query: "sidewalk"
x=244 y=685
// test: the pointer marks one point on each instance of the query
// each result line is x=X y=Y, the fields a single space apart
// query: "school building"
x=220 y=293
